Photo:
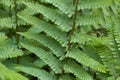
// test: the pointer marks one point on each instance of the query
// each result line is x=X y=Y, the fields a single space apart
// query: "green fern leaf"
x=7 y=23
x=39 y=73
x=10 y=53
x=72 y=67
x=93 y=4
x=48 y=42
x=67 y=77
x=10 y=75
x=52 y=61
x=88 y=20
x=65 y=6
x=7 y=3
x=84 y=59
x=51 y=30
x=107 y=58
x=53 y=15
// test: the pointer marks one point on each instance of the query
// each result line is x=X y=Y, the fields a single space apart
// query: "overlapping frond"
x=53 y=15
x=52 y=30
x=72 y=67
x=47 y=42
x=52 y=61
x=66 y=6
x=60 y=39
x=10 y=75
x=84 y=59
x=7 y=49
x=39 y=73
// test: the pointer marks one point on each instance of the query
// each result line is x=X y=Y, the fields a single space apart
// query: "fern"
x=11 y=75
x=66 y=77
x=10 y=53
x=93 y=4
x=53 y=15
x=65 y=6
x=59 y=39
x=56 y=66
x=88 y=20
x=59 y=36
x=48 y=42
x=79 y=56
x=8 y=3
x=78 y=71
x=7 y=50
x=7 y=23
x=40 y=74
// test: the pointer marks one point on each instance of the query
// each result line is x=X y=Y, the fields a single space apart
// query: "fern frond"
x=93 y=4
x=7 y=3
x=66 y=77
x=89 y=20
x=3 y=38
x=34 y=30
x=114 y=39
x=84 y=59
x=51 y=30
x=64 y=5
x=10 y=75
x=107 y=58
x=10 y=53
x=52 y=61
x=52 y=44
x=72 y=67
x=29 y=11
x=80 y=38
x=39 y=63
x=7 y=23
x=39 y=73
x=7 y=49
x=83 y=38
x=52 y=14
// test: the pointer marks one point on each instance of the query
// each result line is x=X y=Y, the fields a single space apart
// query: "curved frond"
x=11 y=75
x=53 y=45
x=64 y=5
x=52 y=14
x=51 y=30
x=84 y=59
x=52 y=61
x=39 y=73
x=72 y=67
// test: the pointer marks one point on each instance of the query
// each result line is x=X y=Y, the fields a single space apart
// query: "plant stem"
x=16 y=21
x=74 y=22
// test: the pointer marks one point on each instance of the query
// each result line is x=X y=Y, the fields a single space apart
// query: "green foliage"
x=41 y=74
x=59 y=40
x=10 y=75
